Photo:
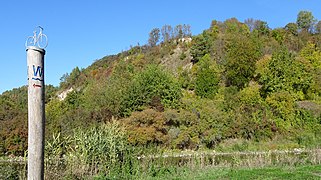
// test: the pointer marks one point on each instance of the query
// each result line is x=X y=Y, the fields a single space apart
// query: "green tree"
x=285 y=73
x=311 y=55
x=292 y=28
x=200 y=46
x=262 y=27
x=55 y=110
x=207 y=79
x=50 y=92
x=105 y=97
x=233 y=26
x=282 y=104
x=279 y=35
x=153 y=83
x=252 y=117
x=242 y=54
x=305 y=20
x=71 y=79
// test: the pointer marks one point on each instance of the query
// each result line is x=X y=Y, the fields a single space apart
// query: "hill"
x=233 y=81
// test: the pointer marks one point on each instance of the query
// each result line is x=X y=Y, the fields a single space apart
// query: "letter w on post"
x=37 y=71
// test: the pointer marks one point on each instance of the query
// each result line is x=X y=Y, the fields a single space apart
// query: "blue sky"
x=81 y=32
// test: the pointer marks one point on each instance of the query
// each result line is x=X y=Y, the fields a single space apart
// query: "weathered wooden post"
x=36 y=106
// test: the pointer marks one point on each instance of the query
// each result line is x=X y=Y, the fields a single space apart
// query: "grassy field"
x=186 y=173
x=282 y=172
x=294 y=164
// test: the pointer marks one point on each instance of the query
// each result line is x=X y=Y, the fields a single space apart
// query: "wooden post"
x=36 y=112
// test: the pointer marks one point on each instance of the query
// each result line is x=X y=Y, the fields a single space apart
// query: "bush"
x=254 y=115
x=207 y=79
x=146 y=127
x=187 y=79
x=125 y=92
x=283 y=108
x=150 y=83
x=182 y=56
x=107 y=95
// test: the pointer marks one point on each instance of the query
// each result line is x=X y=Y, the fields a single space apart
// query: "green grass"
x=285 y=172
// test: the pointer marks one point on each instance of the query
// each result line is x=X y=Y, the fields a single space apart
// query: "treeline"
x=167 y=33
x=234 y=80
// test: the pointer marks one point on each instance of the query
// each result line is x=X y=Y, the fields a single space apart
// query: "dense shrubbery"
x=149 y=86
x=207 y=78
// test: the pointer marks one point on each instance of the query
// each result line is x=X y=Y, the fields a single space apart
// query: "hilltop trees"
x=305 y=20
x=154 y=37
x=258 y=25
x=292 y=28
x=167 y=32
x=69 y=79
x=242 y=54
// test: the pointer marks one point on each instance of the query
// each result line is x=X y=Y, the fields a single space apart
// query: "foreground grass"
x=9 y=171
x=285 y=172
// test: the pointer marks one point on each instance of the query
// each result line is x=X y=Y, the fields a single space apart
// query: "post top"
x=35 y=48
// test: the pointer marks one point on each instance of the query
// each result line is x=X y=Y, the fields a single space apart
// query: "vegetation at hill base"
x=235 y=81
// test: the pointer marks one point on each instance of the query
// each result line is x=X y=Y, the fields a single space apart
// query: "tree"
x=305 y=20
x=154 y=36
x=279 y=35
x=262 y=27
x=292 y=28
x=167 y=32
x=151 y=84
x=200 y=46
x=250 y=23
x=207 y=80
x=312 y=54
x=187 y=30
x=178 y=32
x=233 y=26
x=242 y=54
x=285 y=73
x=318 y=27
x=68 y=80
x=75 y=73
x=63 y=79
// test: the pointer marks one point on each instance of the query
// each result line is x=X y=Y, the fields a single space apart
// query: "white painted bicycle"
x=38 y=38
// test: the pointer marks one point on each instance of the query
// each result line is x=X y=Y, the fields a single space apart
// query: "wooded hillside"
x=237 y=79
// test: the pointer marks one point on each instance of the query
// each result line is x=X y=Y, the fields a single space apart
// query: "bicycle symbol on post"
x=38 y=39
